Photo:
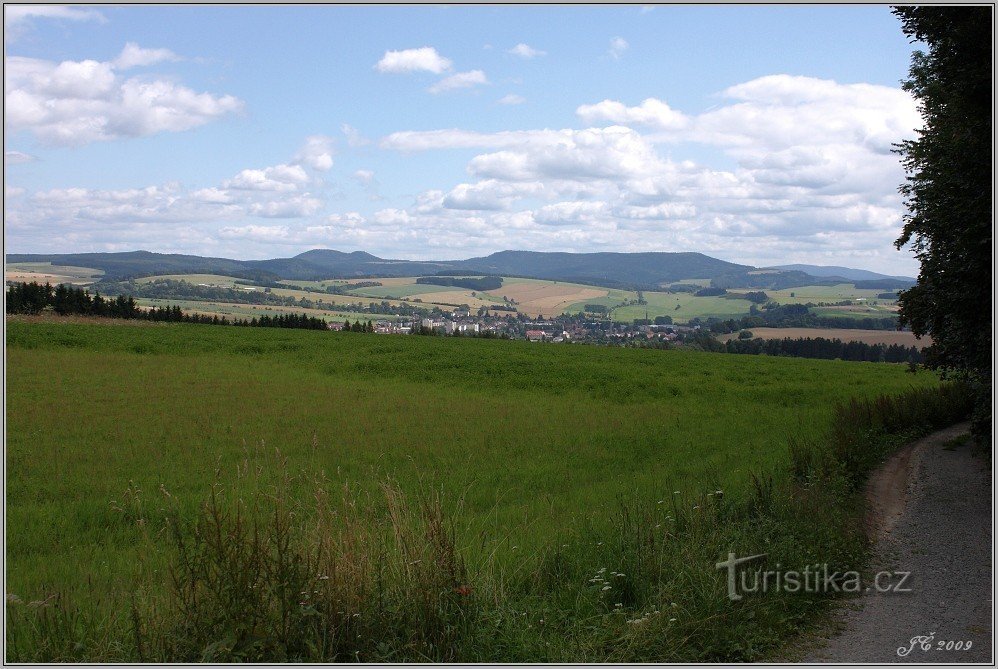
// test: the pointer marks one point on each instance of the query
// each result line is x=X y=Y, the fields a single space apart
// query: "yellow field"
x=534 y=297
x=43 y=272
x=866 y=336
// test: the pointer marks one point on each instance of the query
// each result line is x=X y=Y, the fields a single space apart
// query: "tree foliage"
x=948 y=191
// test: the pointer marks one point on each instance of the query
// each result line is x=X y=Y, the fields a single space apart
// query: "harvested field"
x=44 y=272
x=866 y=336
x=533 y=298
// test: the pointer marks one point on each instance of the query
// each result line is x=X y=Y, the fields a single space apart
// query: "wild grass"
x=431 y=500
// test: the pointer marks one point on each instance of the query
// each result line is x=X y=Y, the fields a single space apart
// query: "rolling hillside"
x=614 y=270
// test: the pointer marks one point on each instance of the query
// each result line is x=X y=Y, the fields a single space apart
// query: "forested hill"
x=605 y=268
x=624 y=270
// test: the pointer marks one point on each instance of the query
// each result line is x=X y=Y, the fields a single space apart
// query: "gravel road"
x=931 y=508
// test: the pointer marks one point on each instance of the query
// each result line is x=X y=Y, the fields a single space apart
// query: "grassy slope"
x=536 y=440
x=659 y=304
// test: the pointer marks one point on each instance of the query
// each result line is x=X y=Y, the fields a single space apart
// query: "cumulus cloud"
x=279 y=178
x=164 y=213
x=17 y=158
x=17 y=17
x=618 y=45
x=317 y=153
x=364 y=176
x=354 y=136
x=806 y=179
x=459 y=80
x=425 y=59
x=526 y=51
x=512 y=99
x=135 y=56
x=811 y=178
x=651 y=112
x=78 y=102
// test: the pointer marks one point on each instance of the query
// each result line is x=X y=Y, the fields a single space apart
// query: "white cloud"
x=73 y=103
x=265 y=233
x=651 y=112
x=806 y=178
x=364 y=176
x=811 y=179
x=279 y=178
x=17 y=17
x=317 y=153
x=489 y=195
x=613 y=152
x=354 y=136
x=425 y=59
x=17 y=158
x=459 y=80
x=512 y=99
x=525 y=51
x=135 y=56
x=618 y=45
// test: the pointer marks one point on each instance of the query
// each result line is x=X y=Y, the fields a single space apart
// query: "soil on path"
x=930 y=514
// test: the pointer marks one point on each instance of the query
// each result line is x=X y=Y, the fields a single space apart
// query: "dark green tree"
x=948 y=193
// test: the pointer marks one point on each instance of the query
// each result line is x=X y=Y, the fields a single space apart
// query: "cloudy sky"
x=754 y=134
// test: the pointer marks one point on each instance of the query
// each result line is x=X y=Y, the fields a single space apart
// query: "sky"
x=755 y=134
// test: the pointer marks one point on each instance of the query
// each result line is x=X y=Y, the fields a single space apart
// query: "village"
x=564 y=329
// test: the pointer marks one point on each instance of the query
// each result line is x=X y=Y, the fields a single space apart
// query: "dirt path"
x=930 y=515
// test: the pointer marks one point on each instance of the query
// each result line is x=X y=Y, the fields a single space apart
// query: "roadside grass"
x=465 y=500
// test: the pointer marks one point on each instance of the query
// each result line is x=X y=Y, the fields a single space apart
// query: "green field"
x=233 y=310
x=559 y=297
x=215 y=280
x=690 y=306
x=836 y=293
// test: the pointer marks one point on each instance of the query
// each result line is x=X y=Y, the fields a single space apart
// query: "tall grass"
x=281 y=564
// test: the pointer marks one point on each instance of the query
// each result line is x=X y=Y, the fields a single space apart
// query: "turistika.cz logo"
x=812 y=579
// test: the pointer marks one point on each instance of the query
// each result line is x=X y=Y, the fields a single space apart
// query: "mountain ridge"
x=647 y=270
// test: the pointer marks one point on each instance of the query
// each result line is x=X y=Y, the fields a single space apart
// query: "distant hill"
x=650 y=269
x=145 y=263
x=624 y=269
x=832 y=271
x=620 y=270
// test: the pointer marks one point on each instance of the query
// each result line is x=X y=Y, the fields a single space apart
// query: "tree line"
x=33 y=298
x=484 y=283
x=173 y=289
x=792 y=316
x=827 y=349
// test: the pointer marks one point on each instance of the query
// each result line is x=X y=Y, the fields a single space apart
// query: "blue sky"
x=751 y=133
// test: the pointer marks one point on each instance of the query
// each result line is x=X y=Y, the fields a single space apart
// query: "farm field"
x=836 y=293
x=534 y=297
x=519 y=464
x=214 y=280
x=689 y=306
x=235 y=310
x=44 y=272
x=866 y=336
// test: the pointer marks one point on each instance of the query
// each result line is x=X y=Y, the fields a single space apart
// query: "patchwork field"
x=234 y=310
x=866 y=336
x=44 y=272
x=533 y=297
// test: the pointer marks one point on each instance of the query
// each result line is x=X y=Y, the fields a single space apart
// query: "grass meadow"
x=491 y=500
